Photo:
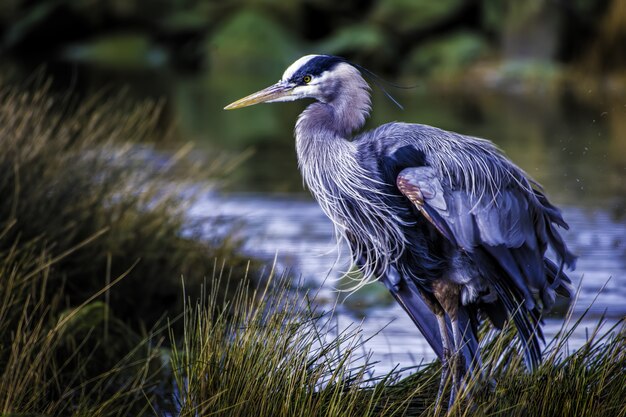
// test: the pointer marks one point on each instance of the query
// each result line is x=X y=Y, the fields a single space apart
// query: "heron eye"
x=306 y=79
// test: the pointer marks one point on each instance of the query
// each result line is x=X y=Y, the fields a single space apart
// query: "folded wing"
x=506 y=236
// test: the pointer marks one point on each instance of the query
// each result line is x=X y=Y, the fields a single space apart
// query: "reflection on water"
x=299 y=235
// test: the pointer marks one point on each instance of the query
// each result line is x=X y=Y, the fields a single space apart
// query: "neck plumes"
x=324 y=129
x=343 y=104
x=349 y=195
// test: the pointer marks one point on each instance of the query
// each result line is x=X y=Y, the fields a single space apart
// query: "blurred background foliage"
x=409 y=37
x=470 y=59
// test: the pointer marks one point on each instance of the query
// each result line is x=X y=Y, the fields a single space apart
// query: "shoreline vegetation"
x=114 y=305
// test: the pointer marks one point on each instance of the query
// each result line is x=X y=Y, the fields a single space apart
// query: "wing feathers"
x=506 y=236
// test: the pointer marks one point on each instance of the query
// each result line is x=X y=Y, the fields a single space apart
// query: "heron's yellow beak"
x=271 y=93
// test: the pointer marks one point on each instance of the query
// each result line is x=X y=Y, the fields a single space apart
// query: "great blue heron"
x=455 y=230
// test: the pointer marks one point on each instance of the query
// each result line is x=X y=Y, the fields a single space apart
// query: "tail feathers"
x=557 y=280
x=557 y=243
x=504 y=279
x=527 y=323
x=505 y=259
x=495 y=311
x=549 y=234
x=468 y=326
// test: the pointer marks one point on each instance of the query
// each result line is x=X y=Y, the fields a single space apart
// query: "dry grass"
x=54 y=361
x=86 y=202
x=69 y=173
x=271 y=357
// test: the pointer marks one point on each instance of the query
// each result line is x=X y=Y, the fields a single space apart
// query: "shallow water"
x=574 y=145
x=300 y=237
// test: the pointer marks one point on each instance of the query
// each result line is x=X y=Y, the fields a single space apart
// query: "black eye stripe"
x=316 y=66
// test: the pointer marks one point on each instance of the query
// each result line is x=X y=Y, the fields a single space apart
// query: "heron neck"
x=349 y=194
x=317 y=145
x=344 y=111
x=324 y=129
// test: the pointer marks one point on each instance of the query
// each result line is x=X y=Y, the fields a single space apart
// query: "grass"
x=70 y=173
x=280 y=357
x=53 y=361
x=274 y=357
x=112 y=304
x=87 y=201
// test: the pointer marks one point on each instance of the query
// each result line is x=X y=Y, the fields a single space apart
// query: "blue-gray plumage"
x=454 y=229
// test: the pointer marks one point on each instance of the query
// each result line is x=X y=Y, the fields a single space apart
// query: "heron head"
x=313 y=76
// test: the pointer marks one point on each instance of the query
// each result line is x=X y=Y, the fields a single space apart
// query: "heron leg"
x=448 y=296
x=458 y=360
x=447 y=355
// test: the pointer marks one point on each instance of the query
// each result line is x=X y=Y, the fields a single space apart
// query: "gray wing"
x=506 y=235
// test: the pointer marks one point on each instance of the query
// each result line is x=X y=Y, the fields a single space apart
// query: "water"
x=297 y=233
x=574 y=144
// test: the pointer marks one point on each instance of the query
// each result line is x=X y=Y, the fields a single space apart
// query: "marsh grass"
x=68 y=172
x=52 y=359
x=589 y=381
x=93 y=243
x=278 y=356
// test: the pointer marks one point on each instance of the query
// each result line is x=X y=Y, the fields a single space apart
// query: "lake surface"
x=574 y=144
x=300 y=237
x=576 y=147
